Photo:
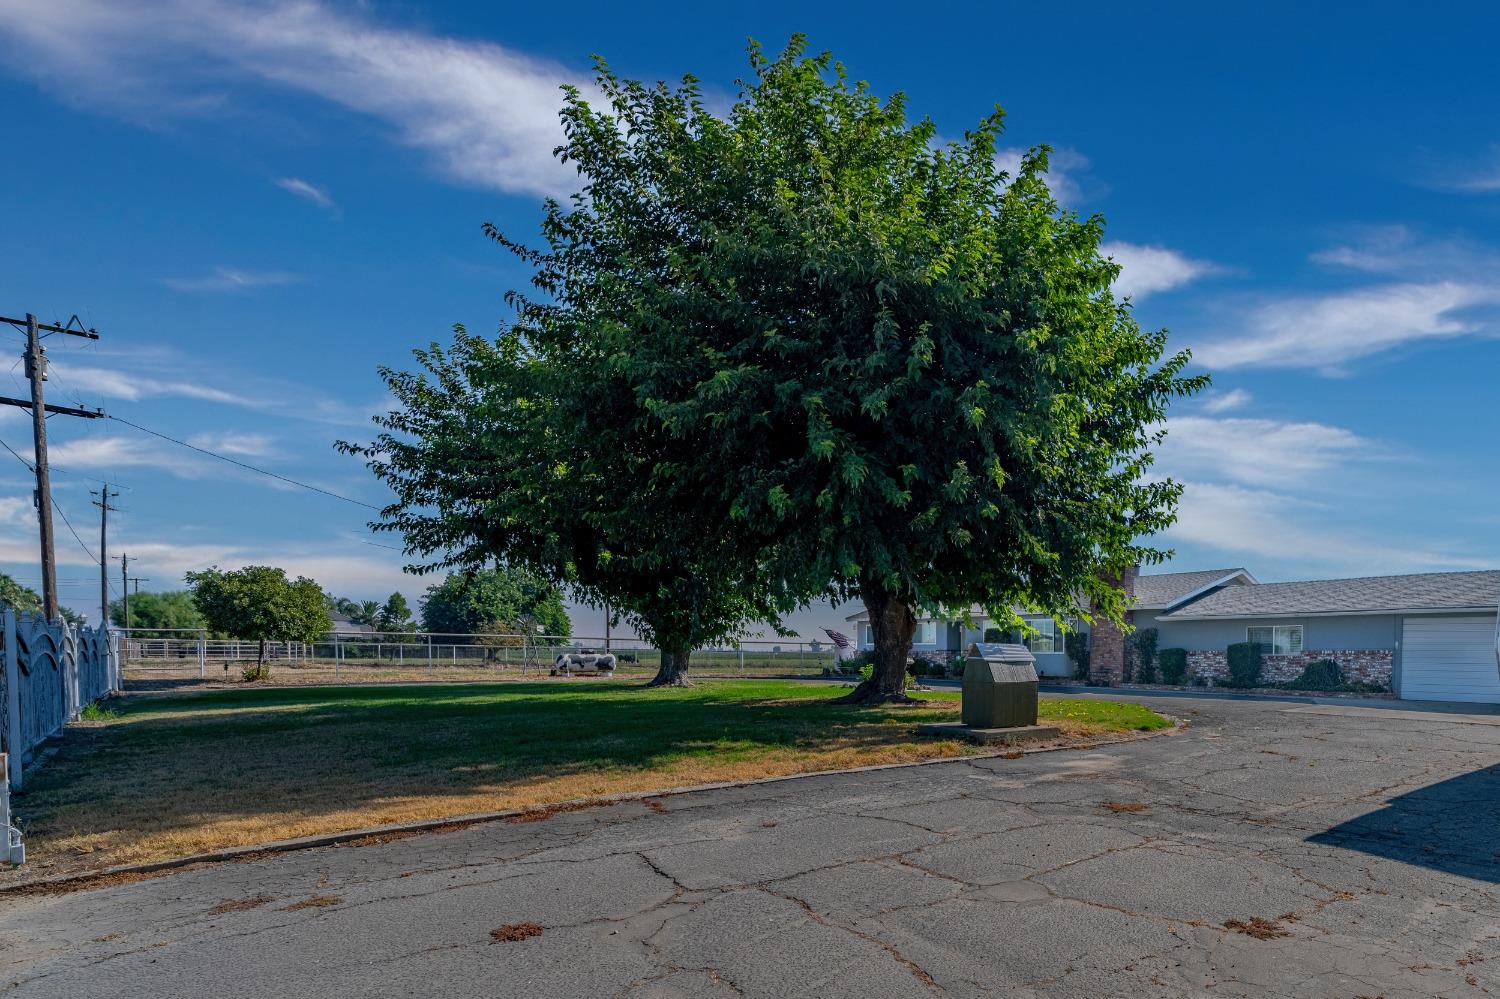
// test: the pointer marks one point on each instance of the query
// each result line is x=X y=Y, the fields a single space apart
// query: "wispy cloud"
x=1248 y=524
x=119 y=383
x=240 y=445
x=1223 y=402
x=1146 y=270
x=1259 y=451
x=1326 y=332
x=231 y=279
x=1479 y=176
x=303 y=189
x=485 y=113
x=1420 y=289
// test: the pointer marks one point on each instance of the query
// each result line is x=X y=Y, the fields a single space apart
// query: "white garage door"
x=1449 y=659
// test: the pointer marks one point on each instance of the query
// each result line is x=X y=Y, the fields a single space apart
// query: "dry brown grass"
x=511 y=932
x=179 y=775
x=1258 y=927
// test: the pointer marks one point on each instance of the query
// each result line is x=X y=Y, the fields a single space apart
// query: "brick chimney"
x=1107 y=643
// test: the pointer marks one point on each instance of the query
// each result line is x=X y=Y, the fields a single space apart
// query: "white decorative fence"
x=51 y=671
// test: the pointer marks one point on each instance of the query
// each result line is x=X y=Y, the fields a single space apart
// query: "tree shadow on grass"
x=170 y=763
x=1452 y=826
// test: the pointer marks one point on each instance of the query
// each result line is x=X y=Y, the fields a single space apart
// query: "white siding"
x=1449 y=659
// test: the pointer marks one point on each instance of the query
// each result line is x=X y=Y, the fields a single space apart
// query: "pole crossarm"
x=92 y=414
x=50 y=328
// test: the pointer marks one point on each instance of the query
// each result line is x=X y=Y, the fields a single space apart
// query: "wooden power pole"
x=125 y=588
x=36 y=372
x=103 y=504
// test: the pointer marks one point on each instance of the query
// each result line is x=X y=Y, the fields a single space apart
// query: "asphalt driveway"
x=1273 y=849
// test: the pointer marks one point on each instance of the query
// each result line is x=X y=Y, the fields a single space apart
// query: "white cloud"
x=303 y=189
x=231 y=279
x=243 y=445
x=1223 y=402
x=1258 y=524
x=1259 y=451
x=1482 y=177
x=487 y=114
x=121 y=384
x=1326 y=332
x=1145 y=270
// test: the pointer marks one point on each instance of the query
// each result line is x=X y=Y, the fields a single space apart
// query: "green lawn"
x=160 y=776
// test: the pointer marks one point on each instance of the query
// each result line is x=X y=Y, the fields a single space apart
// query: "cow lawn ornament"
x=584 y=664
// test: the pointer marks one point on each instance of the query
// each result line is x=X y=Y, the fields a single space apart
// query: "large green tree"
x=261 y=604
x=805 y=349
x=395 y=614
x=22 y=599
x=173 y=609
x=490 y=601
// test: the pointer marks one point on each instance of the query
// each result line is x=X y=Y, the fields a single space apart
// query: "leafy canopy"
x=258 y=602
x=173 y=609
x=495 y=601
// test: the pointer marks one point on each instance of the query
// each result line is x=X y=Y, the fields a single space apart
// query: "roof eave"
x=1467 y=609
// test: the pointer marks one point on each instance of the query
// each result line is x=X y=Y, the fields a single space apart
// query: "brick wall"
x=1107 y=643
x=1358 y=665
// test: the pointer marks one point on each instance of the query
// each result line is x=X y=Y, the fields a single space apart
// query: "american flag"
x=842 y=642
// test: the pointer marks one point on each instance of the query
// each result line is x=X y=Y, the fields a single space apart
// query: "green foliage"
x=395 y=615
x=23 y=599
x=992 y=635
x=802 y=350
x=1244 y=660
x=172 y=609
x=259 y=603
x=96 y=711
x=1327 y=675
x=1077 y=645
x=923 y=666
x=1174 y=665
x=487 y=601
x=255 y=673
x=1143 y=643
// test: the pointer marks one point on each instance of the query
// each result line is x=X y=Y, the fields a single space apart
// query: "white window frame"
x=1048 y=639
x=1281 y=643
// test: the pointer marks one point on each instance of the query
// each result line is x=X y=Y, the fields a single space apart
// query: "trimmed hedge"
x=1244 y=664
x=1173 y=665
x=1321 y=674
x=993 y=636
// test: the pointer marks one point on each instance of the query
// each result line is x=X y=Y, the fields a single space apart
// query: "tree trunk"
x=260 y=664
x=894 y=624
x=674 y=667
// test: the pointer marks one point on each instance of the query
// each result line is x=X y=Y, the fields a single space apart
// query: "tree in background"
x=259 y=603
x=507 y=599
x=395 y=615
x=173 y=609
x=22 y=599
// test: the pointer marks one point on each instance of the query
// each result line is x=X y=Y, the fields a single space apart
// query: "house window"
x=926 y=633
x=1280 y=640
x=866 y=636
x=1047 y=638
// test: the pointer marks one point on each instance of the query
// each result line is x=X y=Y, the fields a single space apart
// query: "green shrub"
x=1143 y=641
x=993 y=635
x=1077 y=644
x=256 y=672
x=1321 y=674
x=1244 y=664
x=868 y=670
x=923 y=666
x=1173 y=665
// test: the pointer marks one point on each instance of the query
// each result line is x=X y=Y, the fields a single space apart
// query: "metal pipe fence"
x=185 y=651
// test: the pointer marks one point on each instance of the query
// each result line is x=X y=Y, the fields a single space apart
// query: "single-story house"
x=1426 y=636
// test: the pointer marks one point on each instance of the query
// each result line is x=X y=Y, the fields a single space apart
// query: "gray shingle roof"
x=1162 y=588
x=1422 y=591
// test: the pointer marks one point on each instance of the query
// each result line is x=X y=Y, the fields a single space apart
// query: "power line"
x=92 y=557
x=241 y=464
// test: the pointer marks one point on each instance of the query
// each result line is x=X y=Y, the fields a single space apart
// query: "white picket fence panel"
x=51 y=671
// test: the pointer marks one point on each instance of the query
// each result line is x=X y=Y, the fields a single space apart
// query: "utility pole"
x=606 y=627
x=125 y=587
x=138 y=580
x=36 y=372
x=103 y=504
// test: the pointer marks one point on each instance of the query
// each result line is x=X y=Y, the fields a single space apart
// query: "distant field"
x=171 y=774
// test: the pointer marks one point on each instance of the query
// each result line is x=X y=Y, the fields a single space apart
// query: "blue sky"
x=256 y=203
